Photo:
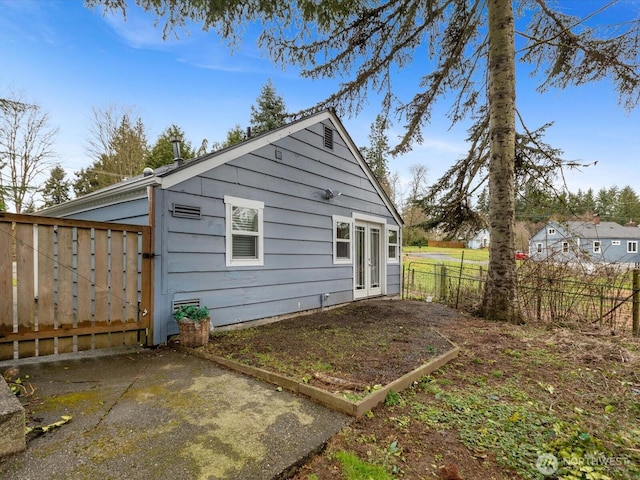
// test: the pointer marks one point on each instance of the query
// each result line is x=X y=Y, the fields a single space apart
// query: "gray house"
x=288 y=221
x=583 y=241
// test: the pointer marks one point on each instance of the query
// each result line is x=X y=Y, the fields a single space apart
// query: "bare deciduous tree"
x=118 y=145
x=26 y=151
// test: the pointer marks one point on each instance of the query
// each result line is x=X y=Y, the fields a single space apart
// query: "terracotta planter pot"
x=194 y=334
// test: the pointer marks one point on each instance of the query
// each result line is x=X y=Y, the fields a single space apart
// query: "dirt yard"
x=513 y=393
x=328 y=349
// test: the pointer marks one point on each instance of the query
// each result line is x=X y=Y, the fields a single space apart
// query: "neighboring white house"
x=479 y=240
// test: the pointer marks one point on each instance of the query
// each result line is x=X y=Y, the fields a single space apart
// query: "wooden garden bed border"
x=324 y=397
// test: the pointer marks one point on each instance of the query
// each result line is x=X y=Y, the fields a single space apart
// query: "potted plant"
x=194 y=323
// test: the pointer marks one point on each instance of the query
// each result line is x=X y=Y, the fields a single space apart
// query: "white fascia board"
x=111 y=195
x=245 y=148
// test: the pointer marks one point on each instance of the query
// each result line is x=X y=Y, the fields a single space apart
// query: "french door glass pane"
x=375 y=257
x=360 y=258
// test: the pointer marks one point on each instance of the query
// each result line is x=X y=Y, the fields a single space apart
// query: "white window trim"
x=334 y=240
x=231 y=202
x=551 y=231
x=635 y=244
x=565 y=247
x=539 y=247
x=615 y=242
x=391 y=228
x=597 y=246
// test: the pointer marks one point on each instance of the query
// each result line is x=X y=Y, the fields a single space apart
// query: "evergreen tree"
x=270 y=112
x=234 y=136
x=588 y=202
x=121 y=149
x=376 y=154
x=57 y=188
x=606 y=202
x=162 y=151
x=627 y=206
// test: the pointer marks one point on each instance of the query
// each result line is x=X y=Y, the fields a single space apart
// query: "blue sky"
x=69 y=60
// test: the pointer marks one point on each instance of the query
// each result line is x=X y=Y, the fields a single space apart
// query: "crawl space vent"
x=183 y=303
x=186 y=211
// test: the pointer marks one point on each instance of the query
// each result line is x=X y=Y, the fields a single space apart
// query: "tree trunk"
x=499 y=300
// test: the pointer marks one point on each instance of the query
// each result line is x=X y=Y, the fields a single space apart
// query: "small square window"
x=551 y=231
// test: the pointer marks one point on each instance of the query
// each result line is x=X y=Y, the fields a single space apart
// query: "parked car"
x=521 y=255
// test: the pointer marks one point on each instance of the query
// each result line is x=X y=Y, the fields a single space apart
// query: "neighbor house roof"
x=593 y=230
x=170 y=175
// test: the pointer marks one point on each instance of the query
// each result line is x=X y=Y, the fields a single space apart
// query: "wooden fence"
x=445 y=244
x=71 y=285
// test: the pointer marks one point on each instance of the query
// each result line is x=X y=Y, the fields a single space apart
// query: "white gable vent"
x=186 y=211
x=328 y=137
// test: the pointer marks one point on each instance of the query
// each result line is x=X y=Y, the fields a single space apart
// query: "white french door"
x=368 y=259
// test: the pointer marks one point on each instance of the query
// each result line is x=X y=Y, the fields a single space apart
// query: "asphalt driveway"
x=163 y=414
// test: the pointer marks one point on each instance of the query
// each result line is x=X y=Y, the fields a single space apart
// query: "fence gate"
x=72 y=285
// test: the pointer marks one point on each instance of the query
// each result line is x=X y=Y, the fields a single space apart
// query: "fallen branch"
x=340 y=382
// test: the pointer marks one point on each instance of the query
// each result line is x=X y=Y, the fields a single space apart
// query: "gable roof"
x=591 y=230
x=169 y=175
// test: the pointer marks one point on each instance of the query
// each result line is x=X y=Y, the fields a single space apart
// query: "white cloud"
x=139 y=30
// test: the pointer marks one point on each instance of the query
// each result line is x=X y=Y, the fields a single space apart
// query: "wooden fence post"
x=443 y=282
x=636 y=303
x=601 y=307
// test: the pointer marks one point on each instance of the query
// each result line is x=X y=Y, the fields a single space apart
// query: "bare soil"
x=358 y=346
x=588 y=380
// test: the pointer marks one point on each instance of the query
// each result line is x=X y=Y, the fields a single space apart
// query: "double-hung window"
x=245 y=232
x=342 y=228
x=393 y=246
x=597 y=246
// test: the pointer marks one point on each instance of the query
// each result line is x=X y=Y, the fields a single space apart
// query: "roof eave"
x=104 y=197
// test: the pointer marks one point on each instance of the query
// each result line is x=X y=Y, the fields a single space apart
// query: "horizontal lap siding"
x=298 y=238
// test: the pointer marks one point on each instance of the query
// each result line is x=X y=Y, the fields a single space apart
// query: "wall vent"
x=184 y=303
x=186 y=211
x=328 y=137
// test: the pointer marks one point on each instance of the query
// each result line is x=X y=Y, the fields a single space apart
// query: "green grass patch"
x=355 y=469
